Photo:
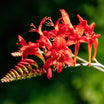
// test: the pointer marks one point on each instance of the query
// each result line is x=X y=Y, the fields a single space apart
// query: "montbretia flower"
x=22 y=42
x=59 y=54
x=43 y=40
x=60 y=29
x=75 y=36
x=92 y=38
x=31 y=49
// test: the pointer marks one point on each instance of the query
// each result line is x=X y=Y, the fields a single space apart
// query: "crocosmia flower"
x=59 y=55
x=92 y=39
x=76 y=32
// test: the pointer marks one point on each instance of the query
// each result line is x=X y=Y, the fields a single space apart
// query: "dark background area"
x=81 y=85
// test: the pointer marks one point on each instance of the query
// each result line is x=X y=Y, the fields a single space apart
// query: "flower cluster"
x=53 y=47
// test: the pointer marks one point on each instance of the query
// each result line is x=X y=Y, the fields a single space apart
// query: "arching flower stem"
x=96 y=65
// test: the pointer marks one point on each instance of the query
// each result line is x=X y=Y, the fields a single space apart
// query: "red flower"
x=92 y=39
x=29 y=49
x=60 y=55
x=32 y=49
x=60 y=29
x=22 y=42
x=43 y=40
x=75 y=36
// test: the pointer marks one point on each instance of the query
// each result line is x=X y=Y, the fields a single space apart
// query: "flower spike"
x=53 y=48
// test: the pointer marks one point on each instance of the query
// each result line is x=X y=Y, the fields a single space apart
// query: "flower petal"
x=92 y=25
x=40 y=26
x=59 y=67
x=70 y=42
x=47 y=54
x=80 y=18
x=69 y=61
x=44 y=41
x=67 y=52
x=21 y=40
x=32 y=49
x=83 y=39
x=66 y=18
x=95 y=44
x=59 y=43
x=57 y=23
x=81 y=27
x=49 y=62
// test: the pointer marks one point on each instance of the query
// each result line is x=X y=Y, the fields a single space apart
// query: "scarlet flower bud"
x=49 y=73
x=33 y=71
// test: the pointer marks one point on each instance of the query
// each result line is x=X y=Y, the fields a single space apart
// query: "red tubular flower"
x=43 y=41
x=92 y=39
x=79 y=31
x=32 y=49
x=76 y=36
x=29 y=49
x=60 y=55
x=60 y=29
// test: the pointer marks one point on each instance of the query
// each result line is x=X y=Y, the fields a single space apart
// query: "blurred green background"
x=81 y=85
